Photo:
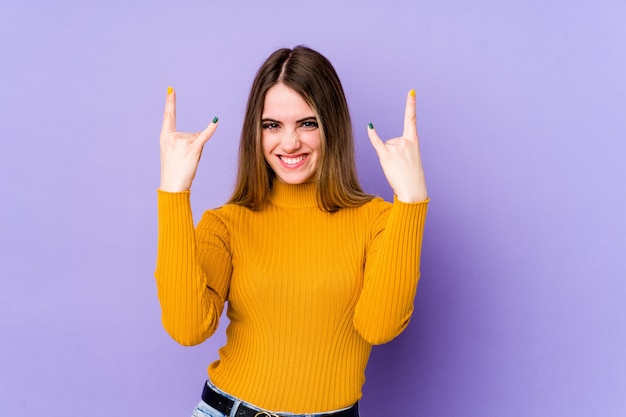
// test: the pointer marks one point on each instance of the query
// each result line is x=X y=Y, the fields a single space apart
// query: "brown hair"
x=312 y=76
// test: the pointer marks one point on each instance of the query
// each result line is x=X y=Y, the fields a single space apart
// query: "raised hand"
x=400 y=158
x=180 y=152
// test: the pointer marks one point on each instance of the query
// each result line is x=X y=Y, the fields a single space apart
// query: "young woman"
x=315 y=271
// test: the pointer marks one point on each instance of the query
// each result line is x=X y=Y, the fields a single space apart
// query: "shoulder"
x=225 y=214
x=220 y=220
x=374 y=208
x=378 y=203
x=368 y=214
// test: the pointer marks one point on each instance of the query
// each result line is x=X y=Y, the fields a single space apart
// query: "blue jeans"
x=205 y=410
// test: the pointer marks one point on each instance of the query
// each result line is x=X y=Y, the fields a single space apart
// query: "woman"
x=315 y=271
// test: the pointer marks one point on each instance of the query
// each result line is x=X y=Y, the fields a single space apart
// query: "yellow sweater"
x=308 y=292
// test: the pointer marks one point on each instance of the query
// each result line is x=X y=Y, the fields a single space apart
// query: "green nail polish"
x=371 y=126
x=215 y=119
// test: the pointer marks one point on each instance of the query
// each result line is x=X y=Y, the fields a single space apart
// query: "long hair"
x=311 y=75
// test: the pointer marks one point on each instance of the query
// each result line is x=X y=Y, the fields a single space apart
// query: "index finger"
x=169 y=115
x=410 y=121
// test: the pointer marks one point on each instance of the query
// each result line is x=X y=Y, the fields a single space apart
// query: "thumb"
x=206 y=134
x=377 y=142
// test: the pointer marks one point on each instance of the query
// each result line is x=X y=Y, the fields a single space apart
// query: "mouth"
x=292 y=160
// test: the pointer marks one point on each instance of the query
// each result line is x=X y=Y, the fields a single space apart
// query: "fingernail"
x=215 y=119
x=412 y=93
x=371 y=126
x=170 y=90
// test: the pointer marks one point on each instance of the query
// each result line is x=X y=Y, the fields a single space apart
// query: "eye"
x=271 y=126
x=310 y=124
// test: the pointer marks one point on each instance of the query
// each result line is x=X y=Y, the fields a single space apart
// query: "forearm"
x=392 y=273
x=190 y=309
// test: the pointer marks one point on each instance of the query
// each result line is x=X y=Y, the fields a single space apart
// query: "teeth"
x=292 y=161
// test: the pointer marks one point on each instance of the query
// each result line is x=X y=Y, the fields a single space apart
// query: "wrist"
x=412 y=196
x=408 y=199
x=171 y=187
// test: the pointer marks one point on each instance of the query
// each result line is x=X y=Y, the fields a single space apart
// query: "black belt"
x=224 y=405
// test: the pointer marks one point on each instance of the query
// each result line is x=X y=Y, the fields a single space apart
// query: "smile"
x=295 y=160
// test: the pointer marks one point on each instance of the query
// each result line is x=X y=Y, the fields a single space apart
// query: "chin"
x=293 y=180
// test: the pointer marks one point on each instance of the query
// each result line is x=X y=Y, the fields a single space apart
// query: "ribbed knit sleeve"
x=392 y=271
x=191 y=302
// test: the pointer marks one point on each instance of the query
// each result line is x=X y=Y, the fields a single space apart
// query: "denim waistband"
x=226 y=403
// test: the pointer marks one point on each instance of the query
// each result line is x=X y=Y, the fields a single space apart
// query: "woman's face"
x=290 y=136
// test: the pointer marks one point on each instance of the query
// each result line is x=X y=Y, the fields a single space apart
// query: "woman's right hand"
x=180 y=152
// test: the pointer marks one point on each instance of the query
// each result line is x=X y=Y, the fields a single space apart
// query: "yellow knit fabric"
x=308 y=292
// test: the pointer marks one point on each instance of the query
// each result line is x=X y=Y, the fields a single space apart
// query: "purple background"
x=521 y=110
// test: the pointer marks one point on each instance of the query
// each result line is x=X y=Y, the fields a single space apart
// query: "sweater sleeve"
x=392 y=271
x=191 y=294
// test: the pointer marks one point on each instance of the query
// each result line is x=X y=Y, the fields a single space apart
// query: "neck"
x=294 y=195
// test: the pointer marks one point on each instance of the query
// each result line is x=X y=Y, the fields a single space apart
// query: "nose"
x=290 y=141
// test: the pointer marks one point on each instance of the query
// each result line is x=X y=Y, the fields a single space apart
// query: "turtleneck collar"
x=295 y=196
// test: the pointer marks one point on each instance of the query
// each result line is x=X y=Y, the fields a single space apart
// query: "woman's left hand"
x=400 y=158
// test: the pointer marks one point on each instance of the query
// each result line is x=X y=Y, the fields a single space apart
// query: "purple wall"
x=521 y=107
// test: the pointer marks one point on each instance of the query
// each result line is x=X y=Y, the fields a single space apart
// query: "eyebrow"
x=269 y=119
